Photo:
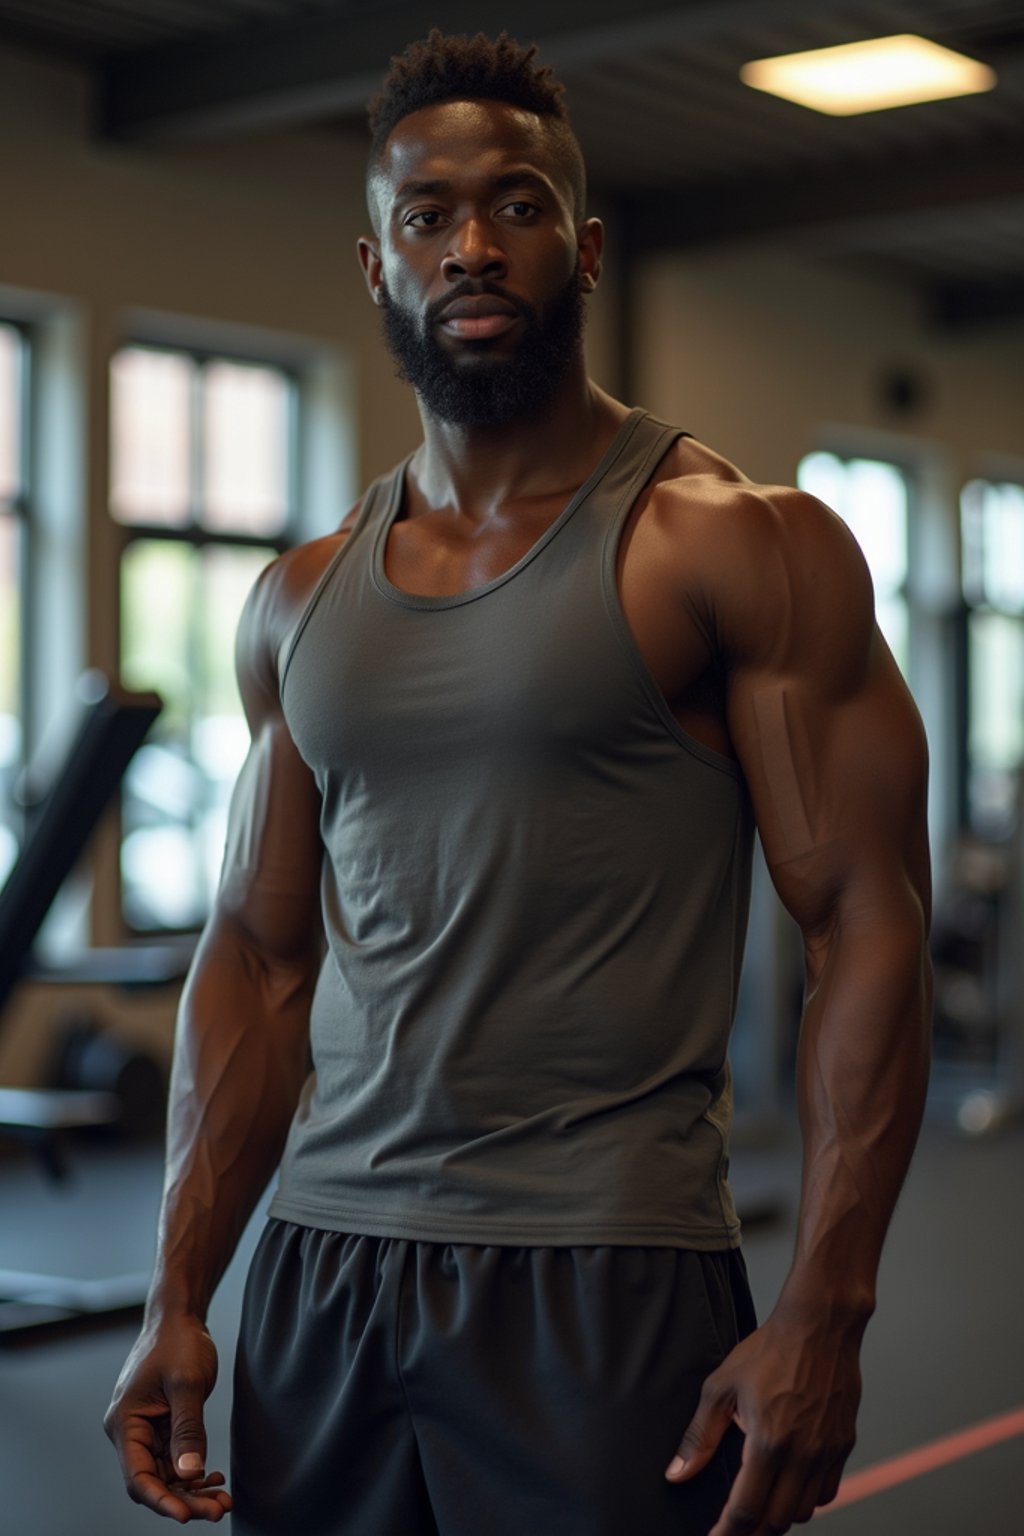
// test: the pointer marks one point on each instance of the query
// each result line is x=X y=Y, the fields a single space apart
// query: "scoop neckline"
x=399 y=595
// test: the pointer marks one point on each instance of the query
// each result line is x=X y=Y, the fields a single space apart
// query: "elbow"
x=881 y=933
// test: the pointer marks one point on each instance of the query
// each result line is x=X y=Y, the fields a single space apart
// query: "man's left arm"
x=834 y=754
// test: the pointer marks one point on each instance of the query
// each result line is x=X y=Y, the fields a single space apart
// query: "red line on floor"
x=926 y=1458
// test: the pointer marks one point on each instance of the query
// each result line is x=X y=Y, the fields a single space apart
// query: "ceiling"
x=931 y=194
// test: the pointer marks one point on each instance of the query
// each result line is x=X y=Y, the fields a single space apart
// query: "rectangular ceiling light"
x=871 y=76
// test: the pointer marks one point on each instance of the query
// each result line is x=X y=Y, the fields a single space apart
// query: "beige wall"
x=765 y=355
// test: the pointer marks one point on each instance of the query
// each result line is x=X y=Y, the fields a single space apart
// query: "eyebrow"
x=503 y=183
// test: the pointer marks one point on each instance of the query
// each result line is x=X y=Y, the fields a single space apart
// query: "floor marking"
x=926 y=1458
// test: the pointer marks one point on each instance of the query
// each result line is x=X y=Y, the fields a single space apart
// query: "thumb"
x=702 y=1437
x=188 y=1433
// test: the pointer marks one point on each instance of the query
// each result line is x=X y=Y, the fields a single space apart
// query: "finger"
x=137 y=1452
x=149 y=1490
x=794 y=1497
x=833 y=1477
x=745 y=1507
x=188 y=1432
x=808 y=1504
x=178 y=1501
x=211 y=1480
x=212 y=1506
x=702 y=1436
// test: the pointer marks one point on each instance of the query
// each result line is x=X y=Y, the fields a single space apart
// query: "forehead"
x=459 y=140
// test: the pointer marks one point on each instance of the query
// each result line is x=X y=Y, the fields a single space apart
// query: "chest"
x=436 y=555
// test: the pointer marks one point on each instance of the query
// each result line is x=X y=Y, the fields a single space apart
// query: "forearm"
x=862 y=1076
x=241 y=1055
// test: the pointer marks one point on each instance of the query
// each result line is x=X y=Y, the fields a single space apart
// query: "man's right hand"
x=155 y=1421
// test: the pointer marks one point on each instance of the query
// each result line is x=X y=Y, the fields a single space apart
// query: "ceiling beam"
x=327 y=65
x=839 y=197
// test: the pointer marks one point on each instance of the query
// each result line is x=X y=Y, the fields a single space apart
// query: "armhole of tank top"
x=659 y=446
x=369 y=504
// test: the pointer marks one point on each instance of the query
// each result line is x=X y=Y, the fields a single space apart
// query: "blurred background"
x=829 y=291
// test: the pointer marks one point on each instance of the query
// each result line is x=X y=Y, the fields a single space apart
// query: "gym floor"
x=944 y=1353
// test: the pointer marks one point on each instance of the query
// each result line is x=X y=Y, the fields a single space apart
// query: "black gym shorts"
x=393 y=1388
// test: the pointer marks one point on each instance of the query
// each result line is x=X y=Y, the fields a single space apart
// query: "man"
x=490 y=853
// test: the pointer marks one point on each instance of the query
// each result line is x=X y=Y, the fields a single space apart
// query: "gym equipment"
x=112 y=723
x=977 y=1079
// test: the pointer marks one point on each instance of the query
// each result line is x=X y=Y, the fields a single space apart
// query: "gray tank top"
x=535 y=888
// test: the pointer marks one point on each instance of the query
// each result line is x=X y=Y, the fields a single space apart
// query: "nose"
x=473 y=252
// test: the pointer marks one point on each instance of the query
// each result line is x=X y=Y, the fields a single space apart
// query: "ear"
x=590 y=235
x=369 y=260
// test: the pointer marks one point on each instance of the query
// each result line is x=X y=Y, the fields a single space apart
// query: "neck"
x=478 y=469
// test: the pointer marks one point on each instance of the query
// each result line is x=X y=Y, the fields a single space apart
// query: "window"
x=872 y=497
x=13 y=527
x=202 y=481
x=992 y=567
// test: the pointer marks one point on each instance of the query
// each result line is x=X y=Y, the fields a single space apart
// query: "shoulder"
x=773 y=568
x=276 y=602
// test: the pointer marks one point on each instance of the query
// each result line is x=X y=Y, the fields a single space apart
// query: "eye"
x=424 y=213
x=522 y=209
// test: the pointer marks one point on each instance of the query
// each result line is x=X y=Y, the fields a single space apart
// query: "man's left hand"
x=794 y=1390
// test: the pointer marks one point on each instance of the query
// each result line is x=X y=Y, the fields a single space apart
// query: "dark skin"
x=753 y=609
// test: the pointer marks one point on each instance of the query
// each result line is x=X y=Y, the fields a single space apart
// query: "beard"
x=479 y=388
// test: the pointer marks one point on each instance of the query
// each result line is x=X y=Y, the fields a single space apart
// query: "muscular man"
x=488 y=860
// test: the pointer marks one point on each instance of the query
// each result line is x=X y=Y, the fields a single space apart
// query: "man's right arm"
x=240 y=1059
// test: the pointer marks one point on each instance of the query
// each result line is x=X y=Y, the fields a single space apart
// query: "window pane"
x=10 y=411
x=180 y=611
x=156 y=599
x=824 y=476
x=992 y=521
x=871 y=498
x=150 y=436
x=972 y=540
x=161 y=787
x=245 y=448
x=996 y=723
x=876 y=511
x=996 y=737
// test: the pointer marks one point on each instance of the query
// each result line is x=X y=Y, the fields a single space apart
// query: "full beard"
x=482 y=390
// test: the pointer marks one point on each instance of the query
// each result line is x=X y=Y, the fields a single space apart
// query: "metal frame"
x=113 y=723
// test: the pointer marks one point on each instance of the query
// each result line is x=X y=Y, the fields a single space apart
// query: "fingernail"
x=190 y=1462
x=675 y=1466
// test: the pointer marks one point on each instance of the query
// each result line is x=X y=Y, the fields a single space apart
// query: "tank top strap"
x=376 y=505
x=647 y=441
x=382 y=498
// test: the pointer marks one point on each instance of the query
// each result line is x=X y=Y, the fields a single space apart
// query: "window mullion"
x=28 y=535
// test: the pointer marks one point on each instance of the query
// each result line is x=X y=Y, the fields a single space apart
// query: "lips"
x=478 y=317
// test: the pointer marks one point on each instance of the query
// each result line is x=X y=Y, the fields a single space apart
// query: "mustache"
x=471 y=290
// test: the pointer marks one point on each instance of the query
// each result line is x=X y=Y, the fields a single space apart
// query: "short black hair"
x=456 y=67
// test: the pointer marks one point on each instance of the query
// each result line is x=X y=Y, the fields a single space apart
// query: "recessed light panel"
x=871 y=76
